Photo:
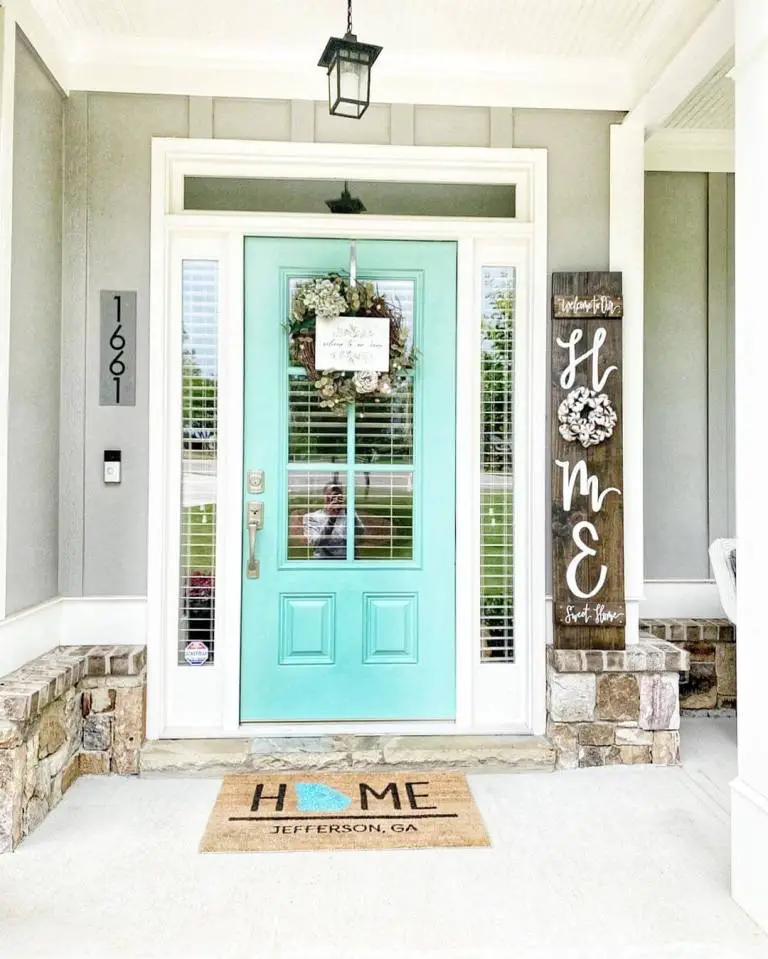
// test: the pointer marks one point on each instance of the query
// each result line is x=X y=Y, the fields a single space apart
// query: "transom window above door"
x=357 y=460
x=380 y=198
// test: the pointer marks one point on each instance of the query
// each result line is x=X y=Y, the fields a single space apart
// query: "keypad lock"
x=255 y=481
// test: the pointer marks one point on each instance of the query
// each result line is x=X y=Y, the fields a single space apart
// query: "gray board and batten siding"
x=100 y=533
x=689 y=367
x=35 y=336
x=107 y=168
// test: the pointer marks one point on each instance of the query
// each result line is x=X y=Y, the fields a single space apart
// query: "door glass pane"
x=401 y=293
x=384 y=427
x=199 y=405
x=497 y=588
x=376 y=431
x=315 y=434
x=384 y=515
x=317 y=515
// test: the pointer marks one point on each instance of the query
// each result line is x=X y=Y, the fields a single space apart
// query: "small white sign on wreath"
x=352 y=343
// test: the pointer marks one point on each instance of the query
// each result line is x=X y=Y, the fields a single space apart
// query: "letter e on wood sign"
x=587 y=461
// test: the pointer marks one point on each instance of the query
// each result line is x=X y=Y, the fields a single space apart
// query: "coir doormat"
x=294 y=812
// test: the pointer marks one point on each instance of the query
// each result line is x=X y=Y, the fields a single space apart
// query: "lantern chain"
x=349 y=16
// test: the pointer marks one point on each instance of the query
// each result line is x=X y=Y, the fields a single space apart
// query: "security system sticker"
x=196 y=653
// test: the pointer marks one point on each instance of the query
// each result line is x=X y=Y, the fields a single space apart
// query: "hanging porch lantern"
x=349 y=72
x=346 y=203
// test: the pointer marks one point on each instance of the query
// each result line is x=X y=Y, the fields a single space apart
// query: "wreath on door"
x=333 y=296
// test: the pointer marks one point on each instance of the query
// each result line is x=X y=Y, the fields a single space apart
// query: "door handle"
x=254 y=522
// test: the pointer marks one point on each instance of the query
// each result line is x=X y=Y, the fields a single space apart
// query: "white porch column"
x=627 y=254
x=749 y=817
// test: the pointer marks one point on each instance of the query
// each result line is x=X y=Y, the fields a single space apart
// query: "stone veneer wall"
x=76 y=710
x=710 y=682
x=615 y=708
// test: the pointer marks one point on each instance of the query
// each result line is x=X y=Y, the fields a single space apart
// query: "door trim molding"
x=184 y=701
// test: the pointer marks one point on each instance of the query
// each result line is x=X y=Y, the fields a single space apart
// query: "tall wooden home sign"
x=587 y=482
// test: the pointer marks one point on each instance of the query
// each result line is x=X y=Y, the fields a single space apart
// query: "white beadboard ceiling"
x=711 y=105
x=494 y=52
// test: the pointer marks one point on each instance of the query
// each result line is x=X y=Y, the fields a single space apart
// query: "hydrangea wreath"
x=587 y=417
x=334 y=296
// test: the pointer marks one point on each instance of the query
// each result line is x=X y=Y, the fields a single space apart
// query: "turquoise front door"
x=363 y=630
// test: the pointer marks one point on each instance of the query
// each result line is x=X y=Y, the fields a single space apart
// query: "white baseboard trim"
x=71 y=621
x=683 y=599
x=28 y=634
x=749 y=851
x=103 y=619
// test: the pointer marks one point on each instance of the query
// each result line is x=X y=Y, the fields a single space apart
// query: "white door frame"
x=188 y=701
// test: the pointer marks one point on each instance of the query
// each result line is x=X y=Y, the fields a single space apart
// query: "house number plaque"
x=117 y=356
x=587 y=461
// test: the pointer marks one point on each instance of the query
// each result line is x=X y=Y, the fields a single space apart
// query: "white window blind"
x=197 y=588
x=497 y=358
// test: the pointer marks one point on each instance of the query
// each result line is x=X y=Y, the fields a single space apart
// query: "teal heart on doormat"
x=317 y=797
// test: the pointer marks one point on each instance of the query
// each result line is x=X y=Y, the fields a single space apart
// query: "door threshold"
x=217 y=757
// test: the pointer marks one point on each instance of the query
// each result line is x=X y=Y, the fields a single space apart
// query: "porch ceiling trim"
x=81 y=58
x=44 y=35
x=705 y=49
x=690 y=151
x=124 y=66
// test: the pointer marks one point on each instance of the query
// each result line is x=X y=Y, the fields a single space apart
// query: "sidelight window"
x=497 y=469
x=198 y=442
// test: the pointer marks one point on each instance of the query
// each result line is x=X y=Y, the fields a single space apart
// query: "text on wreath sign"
x=578 y=481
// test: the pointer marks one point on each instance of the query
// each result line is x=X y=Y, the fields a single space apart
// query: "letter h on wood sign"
x=587 y=461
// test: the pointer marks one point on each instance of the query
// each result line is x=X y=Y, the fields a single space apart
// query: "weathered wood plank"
x=574 y=306
x=584 y=349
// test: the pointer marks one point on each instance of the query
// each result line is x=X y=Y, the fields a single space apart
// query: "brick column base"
x=615 y=708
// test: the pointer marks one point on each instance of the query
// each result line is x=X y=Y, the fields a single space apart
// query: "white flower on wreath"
x=587 y=417
x=365 y=381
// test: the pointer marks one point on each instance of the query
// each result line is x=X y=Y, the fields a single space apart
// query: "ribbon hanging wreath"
x=328 y=298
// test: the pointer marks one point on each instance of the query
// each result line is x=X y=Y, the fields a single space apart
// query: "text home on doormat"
x=291 y=812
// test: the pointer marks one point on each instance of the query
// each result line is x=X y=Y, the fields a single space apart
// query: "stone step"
x=216 y=757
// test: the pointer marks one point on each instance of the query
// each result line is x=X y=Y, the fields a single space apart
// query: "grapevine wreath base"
x=335 y=296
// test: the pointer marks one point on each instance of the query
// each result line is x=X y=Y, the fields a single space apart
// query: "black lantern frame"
x=345 y=53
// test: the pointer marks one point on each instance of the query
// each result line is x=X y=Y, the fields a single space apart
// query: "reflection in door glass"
x=384 y=513
x=315 y=434
x=497 y=531
x=317 y=515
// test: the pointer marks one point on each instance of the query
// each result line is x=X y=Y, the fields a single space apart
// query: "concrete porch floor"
x=606 y=863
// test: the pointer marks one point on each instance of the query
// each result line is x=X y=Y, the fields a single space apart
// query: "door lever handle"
x=254 y=522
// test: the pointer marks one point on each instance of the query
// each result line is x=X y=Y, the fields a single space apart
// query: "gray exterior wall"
x=33 y=427
x=108 y=175
x=689 y=414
